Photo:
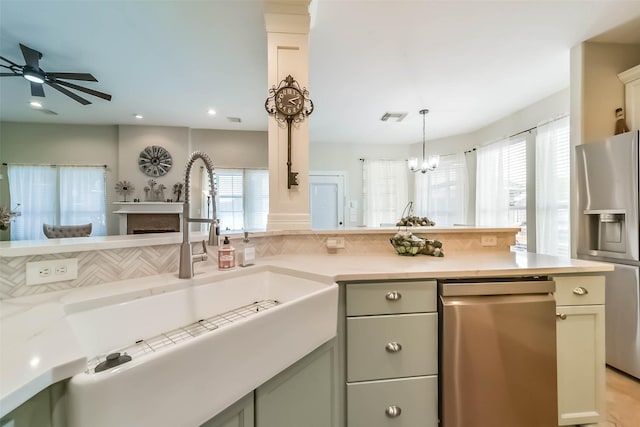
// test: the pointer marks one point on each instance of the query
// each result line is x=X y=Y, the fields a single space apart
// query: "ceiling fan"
x=38 y=77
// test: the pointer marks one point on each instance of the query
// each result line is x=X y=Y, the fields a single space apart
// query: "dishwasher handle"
x=456 y=289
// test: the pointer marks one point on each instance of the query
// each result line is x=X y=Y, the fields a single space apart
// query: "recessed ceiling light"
x=138 y=116
x=211 y=112
x=35 y=104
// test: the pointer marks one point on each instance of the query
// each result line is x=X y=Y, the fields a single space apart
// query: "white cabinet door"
x=581 y=364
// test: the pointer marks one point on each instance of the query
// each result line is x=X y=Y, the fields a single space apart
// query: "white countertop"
x=38 y=347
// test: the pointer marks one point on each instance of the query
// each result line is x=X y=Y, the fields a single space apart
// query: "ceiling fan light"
x=33 y=76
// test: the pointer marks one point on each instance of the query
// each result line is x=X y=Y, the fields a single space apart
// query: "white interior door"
x=326 y=198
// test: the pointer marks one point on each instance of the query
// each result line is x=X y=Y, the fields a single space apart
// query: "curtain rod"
x=46 y=164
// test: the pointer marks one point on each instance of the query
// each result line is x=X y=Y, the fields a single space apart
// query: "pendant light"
x=426 y=165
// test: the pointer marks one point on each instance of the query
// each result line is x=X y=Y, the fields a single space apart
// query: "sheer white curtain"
x=83 y=198
x=552 y=188
x=441 y=195
x=34 y=188
x=385 y=191
x=492 y=187
x=57 y=195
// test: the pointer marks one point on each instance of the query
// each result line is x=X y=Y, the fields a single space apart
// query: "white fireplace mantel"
x=128 y=208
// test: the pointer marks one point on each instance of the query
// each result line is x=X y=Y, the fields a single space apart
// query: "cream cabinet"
x=631 y=80
x=580 y=348
x=391 y=355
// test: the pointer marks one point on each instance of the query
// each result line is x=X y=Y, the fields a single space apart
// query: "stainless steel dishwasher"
x=498 y=353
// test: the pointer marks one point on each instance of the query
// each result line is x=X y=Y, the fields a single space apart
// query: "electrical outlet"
x=488 y=240
x=55 y=270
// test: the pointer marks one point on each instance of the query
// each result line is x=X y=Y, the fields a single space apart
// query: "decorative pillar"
x=287 y=24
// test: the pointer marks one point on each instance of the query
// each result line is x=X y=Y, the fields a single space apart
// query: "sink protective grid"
x=171 y=338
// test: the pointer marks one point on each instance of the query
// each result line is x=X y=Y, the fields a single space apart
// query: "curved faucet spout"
x=186 y=256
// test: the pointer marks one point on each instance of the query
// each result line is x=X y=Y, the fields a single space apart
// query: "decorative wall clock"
x=155 y=161
x=288 y=103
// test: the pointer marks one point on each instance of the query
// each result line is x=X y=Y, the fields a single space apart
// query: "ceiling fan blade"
x=31 y=56
x=85 y=90
x=70 y=94
x=10 y=62
x=73 y=76
x=10 y=74
x=37 y=89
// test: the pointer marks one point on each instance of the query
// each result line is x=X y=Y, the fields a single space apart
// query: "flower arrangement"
x=6 y=215
x=124 y=188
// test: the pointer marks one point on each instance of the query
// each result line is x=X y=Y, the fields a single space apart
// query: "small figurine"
x=621 y=125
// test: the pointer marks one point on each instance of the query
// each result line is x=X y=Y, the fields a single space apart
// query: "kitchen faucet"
x=187 y=259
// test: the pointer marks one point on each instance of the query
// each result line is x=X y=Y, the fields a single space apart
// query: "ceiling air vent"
x=234 y=119
x=398 y=117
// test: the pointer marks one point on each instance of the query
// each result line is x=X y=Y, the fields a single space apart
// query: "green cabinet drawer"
x=406 y=402
x=392 y=346
x=579 y=290
x=391 y=297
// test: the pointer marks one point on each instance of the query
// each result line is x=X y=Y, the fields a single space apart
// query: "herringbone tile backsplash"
x=103 y=266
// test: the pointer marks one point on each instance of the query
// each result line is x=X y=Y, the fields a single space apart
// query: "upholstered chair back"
x=62 y=231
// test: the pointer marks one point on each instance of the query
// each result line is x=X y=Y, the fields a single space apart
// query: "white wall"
x=133 y=139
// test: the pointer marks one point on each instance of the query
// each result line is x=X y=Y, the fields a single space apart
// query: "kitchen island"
x=39 y=349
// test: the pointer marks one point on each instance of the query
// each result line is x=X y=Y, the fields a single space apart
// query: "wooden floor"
x=623 y=400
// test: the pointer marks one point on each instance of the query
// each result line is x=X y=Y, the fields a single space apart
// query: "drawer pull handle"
x=393 y=411
x=561 y=316
x=393 y=296
x=580 y=291
x=393 y=347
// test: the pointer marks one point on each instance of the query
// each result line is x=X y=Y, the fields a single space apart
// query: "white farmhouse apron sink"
x=219 y=348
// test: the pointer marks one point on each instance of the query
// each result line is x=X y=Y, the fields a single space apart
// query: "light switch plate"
x=55 y=270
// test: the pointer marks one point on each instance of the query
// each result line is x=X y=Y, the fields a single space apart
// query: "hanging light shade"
x=432 y=162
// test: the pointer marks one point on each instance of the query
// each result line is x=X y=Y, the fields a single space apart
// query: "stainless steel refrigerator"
x=608 y=227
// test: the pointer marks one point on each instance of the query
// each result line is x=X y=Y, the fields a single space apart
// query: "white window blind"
x=552 y=188
x=58 y=195
x=441 y=195
x=385 y=191
x=242 y=199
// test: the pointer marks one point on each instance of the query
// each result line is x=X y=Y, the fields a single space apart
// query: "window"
x=242 y=199
x=552 y=188
x=65 y=195
x=441 y=195
x=385 y=191
x=501 y=186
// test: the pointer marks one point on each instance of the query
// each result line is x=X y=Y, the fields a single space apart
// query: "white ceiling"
x=469 y=62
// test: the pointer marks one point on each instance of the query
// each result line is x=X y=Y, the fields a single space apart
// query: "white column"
x=287 y=25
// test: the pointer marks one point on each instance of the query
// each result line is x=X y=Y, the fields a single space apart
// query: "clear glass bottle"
x=226 y=255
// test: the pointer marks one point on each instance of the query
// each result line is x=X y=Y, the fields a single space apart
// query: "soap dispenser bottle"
x=226 y=255
x=247 y=254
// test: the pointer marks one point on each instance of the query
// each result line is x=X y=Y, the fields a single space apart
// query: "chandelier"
x=426 y=165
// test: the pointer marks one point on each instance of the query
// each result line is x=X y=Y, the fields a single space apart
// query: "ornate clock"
x=288 y=103
x=155 y=161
